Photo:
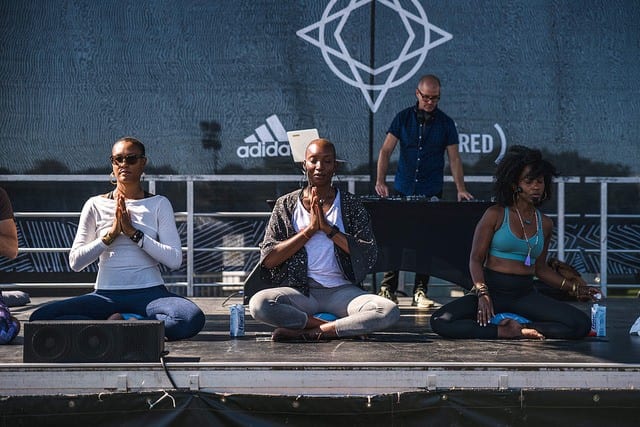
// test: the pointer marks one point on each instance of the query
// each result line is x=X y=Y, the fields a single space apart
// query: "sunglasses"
x=130 y=159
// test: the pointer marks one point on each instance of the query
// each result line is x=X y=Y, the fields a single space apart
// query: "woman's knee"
x=582 y=325
x=46 y=312
x=258 y=305
x=182 y=317
x=439 y=322
x=386 y=311
x=436 y=324
x=264 y=301
x=392 y=315
x=198 y=320
x=578 y=322
x=188 y=326
x=39 y=314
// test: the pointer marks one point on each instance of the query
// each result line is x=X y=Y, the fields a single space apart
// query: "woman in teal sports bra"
x=509 y=248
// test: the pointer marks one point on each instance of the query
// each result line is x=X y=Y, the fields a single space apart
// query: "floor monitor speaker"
x=91 y=341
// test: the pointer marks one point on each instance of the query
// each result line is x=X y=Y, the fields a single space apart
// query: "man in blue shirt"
x=424 y=133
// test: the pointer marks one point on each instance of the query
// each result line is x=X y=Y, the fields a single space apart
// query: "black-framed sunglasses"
x=130 y=159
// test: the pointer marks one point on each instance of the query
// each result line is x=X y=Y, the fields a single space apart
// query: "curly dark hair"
x=511 y=166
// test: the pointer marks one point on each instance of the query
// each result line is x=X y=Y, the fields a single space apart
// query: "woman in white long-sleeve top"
x=130 y=232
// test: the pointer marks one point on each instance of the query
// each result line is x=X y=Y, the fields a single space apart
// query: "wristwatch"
x=334 y=230
x=137 y=237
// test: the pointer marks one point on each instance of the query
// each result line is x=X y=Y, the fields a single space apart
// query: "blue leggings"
x=182 y=318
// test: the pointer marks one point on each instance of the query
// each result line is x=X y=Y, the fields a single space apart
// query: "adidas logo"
x=269 y=140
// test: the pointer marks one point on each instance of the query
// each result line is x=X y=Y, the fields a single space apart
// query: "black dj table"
x=431 y=237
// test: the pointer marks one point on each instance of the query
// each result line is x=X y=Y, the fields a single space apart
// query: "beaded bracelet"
x=480 y=289
x=574 y=289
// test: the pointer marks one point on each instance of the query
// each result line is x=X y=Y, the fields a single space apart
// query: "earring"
x=544 y=195
x=113 y=180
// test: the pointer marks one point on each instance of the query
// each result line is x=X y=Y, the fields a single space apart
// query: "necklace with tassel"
x=527 y=260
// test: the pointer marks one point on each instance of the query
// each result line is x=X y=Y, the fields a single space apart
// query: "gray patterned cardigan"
x=293 y=272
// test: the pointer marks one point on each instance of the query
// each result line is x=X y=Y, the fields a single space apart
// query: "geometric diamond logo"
x=421 y=37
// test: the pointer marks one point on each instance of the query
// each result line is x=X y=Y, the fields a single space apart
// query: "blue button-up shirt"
x=421 y=164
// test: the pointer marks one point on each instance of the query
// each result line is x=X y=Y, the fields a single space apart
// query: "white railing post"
x=152 y=186
x=351 y=186
x=603 y=237
x=190 y=211
x=561 y=221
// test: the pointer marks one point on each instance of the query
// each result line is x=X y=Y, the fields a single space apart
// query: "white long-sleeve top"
x=123 y=264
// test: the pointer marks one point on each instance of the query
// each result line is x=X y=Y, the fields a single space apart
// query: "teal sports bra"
x=507 y=245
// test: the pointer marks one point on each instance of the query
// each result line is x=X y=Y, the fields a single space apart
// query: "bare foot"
x=510 y=329
x=115 y=316
x=531 y=333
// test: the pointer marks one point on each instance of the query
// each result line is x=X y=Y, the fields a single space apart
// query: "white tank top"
x=322 y=264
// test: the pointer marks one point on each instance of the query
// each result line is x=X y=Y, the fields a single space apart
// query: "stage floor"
x=409 y=356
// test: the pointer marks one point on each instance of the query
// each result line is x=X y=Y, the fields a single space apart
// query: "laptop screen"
x=298 y=141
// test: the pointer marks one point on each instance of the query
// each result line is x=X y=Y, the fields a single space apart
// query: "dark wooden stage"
x=408 y=357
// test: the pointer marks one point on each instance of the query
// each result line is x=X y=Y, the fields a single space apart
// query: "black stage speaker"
x=90 y=341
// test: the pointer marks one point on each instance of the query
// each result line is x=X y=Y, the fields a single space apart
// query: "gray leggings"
x=358 y=312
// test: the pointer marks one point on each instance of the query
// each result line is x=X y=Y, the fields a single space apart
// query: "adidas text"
x=262 y=149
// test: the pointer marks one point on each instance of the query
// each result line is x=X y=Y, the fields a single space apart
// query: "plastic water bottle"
x=599 y=319
x=599 y=312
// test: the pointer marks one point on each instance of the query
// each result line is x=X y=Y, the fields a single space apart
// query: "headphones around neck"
x=422 y=115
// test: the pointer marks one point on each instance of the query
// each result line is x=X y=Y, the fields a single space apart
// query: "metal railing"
x=350 y=181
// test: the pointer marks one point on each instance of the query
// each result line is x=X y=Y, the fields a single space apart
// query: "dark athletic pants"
x=511 y=294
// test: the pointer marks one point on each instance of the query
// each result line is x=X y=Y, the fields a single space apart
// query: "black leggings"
x=511 y=293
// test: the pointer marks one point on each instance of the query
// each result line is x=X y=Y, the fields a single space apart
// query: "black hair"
x=511 y=166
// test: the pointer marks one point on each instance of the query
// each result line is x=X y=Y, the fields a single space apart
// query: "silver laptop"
x=298 y=141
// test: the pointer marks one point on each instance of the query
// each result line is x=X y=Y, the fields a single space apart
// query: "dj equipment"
x=425 y=236
x=413 y=200
x=89 y=341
